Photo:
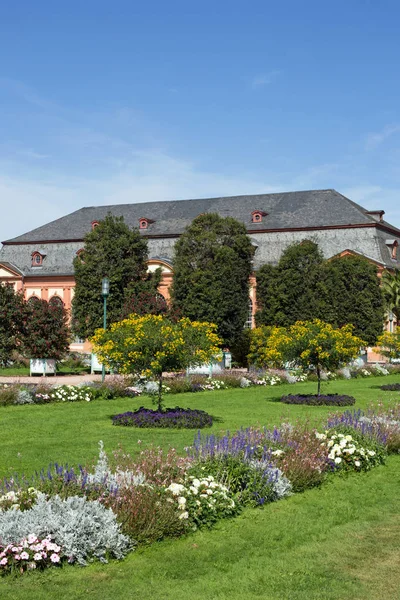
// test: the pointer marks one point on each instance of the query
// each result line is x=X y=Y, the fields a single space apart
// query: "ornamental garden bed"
x=319 y=400
x=391 y=387
x=172 y=418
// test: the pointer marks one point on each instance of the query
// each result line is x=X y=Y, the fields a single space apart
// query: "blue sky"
x=111 y=102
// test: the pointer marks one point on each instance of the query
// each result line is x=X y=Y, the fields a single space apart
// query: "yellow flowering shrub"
x=149 y=345
x=306 y=344
x=389 y=345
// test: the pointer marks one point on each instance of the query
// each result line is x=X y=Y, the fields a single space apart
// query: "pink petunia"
x=24 y=556
x=55 y=558
x=3 y=561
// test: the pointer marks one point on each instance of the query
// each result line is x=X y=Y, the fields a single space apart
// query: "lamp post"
x=105 y=290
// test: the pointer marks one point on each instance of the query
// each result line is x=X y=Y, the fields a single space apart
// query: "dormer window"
x=95 y=224
x=80 y=254
x=392 y=245
x=257 y=216
x=377 y=215
x=144 y=223
x=37 y=259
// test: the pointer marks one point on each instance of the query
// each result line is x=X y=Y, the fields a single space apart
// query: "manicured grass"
x=24 y=372
x=34 y=436
x=336 y=542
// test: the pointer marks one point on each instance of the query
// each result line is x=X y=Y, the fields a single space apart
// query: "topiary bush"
x=174 y=418
x=319 y=400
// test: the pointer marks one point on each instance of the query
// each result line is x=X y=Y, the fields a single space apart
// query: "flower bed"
x=174 y=418
x=391 y=387
x=76 y=516
x=321 y=400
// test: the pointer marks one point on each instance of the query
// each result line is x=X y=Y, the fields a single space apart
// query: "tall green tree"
x=115 y=251
x=212 y=265
x=354 y=295
x=11 y=319
x=391 y=292
x=45 y=332
x=292 y=290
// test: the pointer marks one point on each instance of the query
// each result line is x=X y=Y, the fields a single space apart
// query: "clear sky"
x=127 y=101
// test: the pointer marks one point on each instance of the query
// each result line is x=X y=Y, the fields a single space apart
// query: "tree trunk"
x=160 y=392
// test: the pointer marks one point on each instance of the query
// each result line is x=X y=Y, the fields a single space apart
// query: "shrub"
x=202 y=501
x=20 y=500
x=378 y=426
x=71 y=393
x=8 y=395
x=28 y=554
x=347 y=453
x=175 y=418
x=145 y=514
x=253 y=482
x=83 y=528
x=314 y=400
x=301 y=457
x=159 y=467
x=24 y=397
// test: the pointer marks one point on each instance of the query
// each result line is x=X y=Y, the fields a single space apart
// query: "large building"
x=41 y=261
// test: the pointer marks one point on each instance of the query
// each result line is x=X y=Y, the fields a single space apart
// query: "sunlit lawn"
x=337 y=542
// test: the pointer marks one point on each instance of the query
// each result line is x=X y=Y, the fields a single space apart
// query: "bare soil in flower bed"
x=171 y=418
x=391 y=387
x=321 y=400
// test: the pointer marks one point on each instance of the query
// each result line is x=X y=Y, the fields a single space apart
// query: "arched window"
x=56 y=301
x=95 y=224
x=81 y=255
x=249 y=321
x=33 y=300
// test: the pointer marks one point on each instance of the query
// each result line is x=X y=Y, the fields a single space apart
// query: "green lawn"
x=337 y=542
x=24 y=371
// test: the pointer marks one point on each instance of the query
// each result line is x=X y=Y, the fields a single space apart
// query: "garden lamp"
x=105 y=290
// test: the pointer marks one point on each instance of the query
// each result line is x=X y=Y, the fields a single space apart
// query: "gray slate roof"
x=315 y=208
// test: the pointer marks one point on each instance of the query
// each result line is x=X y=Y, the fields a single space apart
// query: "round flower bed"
x=391 y=387
x=321 y=400
x=175 y=418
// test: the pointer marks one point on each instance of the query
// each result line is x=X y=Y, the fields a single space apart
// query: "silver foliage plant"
x=85 y=529
x=104 y=476
x=280 y=484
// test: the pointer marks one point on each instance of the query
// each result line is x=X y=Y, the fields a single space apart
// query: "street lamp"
x=105 y=290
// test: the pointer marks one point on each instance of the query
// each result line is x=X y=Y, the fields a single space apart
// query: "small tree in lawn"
x=11 y=308
x=45 y=332
x=389 y=345
x=147 y=346
x=306 y=344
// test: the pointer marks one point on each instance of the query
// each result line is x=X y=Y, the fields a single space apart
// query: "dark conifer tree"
x=212 y=265
x=115 y=251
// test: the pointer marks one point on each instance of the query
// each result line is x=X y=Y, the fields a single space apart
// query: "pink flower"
x=37 y=556
x=3 y=561
x=44 y=554
x=55 y=558
x=17 y=557
x=24 y=556
x=32 y=538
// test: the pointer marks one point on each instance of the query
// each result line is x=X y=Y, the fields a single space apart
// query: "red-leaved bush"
x=304 y=461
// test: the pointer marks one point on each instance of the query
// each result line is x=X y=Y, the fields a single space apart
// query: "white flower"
x=194 y=490
x=196 y=483
x=338 y=460
x=371 y=452
x=176 y=488
x=184 y=515
x=357 y=463
x=277 y=452
x=181 y=502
